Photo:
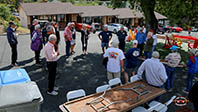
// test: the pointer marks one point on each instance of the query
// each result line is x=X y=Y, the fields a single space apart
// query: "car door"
x=110 y=27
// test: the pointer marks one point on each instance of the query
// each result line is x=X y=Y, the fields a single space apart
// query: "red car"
x=176 y=29
x=79 y=26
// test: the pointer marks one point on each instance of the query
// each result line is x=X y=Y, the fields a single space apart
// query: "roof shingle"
x=93 y=11
x=34 y=9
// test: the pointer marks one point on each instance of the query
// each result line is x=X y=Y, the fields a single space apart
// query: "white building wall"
x=24 y=18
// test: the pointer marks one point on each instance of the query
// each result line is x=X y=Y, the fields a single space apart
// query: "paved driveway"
x=75 y=72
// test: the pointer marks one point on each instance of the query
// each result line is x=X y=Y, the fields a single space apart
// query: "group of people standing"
x=49 y=37
x=156 y=74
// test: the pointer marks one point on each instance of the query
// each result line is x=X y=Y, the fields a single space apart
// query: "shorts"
x=104 y=44
x=129 y=71
x=112 y=75
x=73 y=42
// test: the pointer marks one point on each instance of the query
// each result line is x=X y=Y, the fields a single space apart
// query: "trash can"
x=20 y=97
x=13 y=77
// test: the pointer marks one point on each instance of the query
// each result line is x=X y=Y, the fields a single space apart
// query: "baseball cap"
x=12 y=23
x=134 y=42
x=155 y=54
x=174 y=48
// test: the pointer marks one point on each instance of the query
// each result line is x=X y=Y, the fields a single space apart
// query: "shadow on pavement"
x=21 y=63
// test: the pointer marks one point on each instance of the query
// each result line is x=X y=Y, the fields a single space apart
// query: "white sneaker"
x=54 y=93
x=56 y=88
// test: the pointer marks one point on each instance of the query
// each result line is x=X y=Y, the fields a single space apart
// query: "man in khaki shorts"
x=115 y=63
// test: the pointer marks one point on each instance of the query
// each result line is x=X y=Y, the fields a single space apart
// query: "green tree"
x=147 y=7
x=180 y=12
x=6 y=16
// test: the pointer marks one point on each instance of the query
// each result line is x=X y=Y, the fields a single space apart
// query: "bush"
x=164 y=52
x=6 y=16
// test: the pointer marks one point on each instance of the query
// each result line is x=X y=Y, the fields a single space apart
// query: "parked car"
x=79 y=27
x=96 y=26
x=16 y=15
x=160 y=29
x=167 y=28
x=42 y=22
x=194 y=29
x=176 y=29
x=115 y=27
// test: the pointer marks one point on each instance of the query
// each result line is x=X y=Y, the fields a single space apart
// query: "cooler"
x=20 y=97
x=13 y=77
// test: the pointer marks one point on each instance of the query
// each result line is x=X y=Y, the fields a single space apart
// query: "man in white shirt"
x=115 y=63
x=155 y=72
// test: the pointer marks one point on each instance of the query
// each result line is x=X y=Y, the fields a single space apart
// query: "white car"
x=194 y=29
x=115 y=27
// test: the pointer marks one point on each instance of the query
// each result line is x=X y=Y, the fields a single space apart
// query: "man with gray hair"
x=32 y=27
x=105 y=36
x=68 y=37
x=115 y=63
x=149 y=45
x=122 y=34
x=155 y=72
x=51 y=58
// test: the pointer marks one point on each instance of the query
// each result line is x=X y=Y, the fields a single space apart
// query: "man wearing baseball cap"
x=173 y=60
x=12 y=40
x=131 y=60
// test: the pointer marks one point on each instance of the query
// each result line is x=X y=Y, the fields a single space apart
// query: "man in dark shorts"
x=131 y=60
x=105 y=36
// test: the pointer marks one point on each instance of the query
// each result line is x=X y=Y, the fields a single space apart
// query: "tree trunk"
x=148 y=9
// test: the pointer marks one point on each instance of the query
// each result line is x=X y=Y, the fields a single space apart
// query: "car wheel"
x=114 y=31
x=174 y=30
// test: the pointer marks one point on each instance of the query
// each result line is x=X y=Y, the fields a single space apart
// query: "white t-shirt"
x=114 y=55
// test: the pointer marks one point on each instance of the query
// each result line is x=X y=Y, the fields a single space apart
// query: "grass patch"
x=23 y=30
x=164 y=52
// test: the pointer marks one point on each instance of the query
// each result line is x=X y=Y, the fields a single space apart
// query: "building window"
x=49 y=18
x=43 y=18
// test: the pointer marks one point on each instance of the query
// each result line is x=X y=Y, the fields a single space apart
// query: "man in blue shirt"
x=131 y=60
x=122 y=34
x=105 y=36
x=12 y=40
x=141 y=38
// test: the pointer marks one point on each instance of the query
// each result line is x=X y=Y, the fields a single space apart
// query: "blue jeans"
x=68 y=45
x=159 y=97
x=147 y=54
x=189 y=81
x=105 y=44
x=170 y=73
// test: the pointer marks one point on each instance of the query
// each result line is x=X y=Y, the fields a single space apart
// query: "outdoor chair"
x=102 y=88
x=114 y=82
x=134 y=78
x=155 y=106
x=71 y=95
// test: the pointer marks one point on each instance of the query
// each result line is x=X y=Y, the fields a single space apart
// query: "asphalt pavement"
x=75 y=72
